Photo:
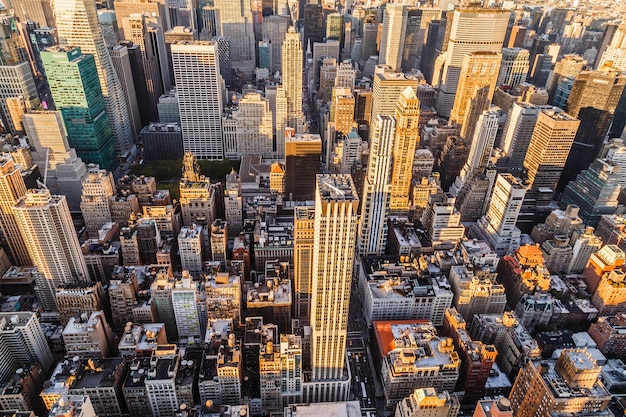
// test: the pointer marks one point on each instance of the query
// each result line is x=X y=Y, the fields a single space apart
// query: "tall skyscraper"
x=388 y=85
x=377 y=188
x=16 y=78
x=199 y=86
x=547 y=153
x=406 y=140
x=497 y=226
x=48 y=231
x=77 y=26
x=75 y=89
x=146 y=32
x=418 y=21
x=292 y=75
x=121 y=62
x=275 y=28
x=473 y=29
x=336 y=223
x=94 y=205
x=517 y=133
x=35 y=10
x=234 y=20
x=12 y=188
x=593 y=101
x=392 y=40
x=479 y=71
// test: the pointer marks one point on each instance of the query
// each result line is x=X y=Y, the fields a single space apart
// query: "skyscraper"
x=568 y=66
x=515 y=66
x=473 y=29
x=302 y=163
x=377 y=188
x=94 y=205
x=303 y=246
x=275 y=28
x=292 y=75
x=75 y=89
x=392 y=40
x=77 y=26
x=199 y=86
x=479 y=70
x=233 y=19
x=497 y=226
x=593 y=101
x=12 y=188
x=406 y=140
x=50 y=238
x=336 y=223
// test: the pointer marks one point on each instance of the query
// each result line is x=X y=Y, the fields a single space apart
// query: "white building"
x=88 y=336
x=292 y=76
x=98 y=186
x=199 y=86
x=377 y=189
x=184 y=301
x=475 y=29
x=50 y=238
x=73 y=405
x=392 y=41
x=497 y=226
x=190 y=249
x=514 y=68
x=233 y=19
x=336 y=223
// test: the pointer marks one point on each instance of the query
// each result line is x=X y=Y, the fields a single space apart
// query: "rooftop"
x=336 y=188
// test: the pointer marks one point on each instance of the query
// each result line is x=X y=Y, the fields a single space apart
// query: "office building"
x=22 y=341
x=416 y=36
x=77 y=26
x=223 y=296
x=514 y=66
x=610 y=295
x=402 y=291
x=393 y=32
x=473 y=29
x=76 y=299
x=98 y=187
x=19 y=94
x=190 y=248
x=275 y=28
x=593 y=101
x=377 y=188
x=569 y=383
x=517 y=134
x=302 y=163
x=65 y=171
x=199 y=86
x=185 y=302
x=568 y=66
x=234 y=21
x=120 y=56
x=89 y=335
x=303 y=245
x=13 y=189
x=441 y=221
x=44 y=218
x=476 y=83
x=280 y=369
x=386 y=90
x=248 y=130
x=162 y=141
x=292 y=76
x=336 y=223
x=404 y=144
x=412 y=356
x=497 y=226
x=595 y=191
x=75 y=88
x=549 y=146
